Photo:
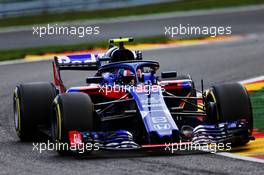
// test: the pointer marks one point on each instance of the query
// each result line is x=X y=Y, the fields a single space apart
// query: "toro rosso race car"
x=126 y=105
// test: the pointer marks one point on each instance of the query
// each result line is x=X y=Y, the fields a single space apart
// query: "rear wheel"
x=72 y=112
x=232 y=103
x=32 y=105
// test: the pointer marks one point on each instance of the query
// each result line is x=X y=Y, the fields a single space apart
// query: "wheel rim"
x=54 y=127
x=17 y=114
x=57 y=120
x=211 y=97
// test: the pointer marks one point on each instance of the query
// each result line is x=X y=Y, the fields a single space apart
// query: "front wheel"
x=232 y=103
x=32 y=105
x=72 y=112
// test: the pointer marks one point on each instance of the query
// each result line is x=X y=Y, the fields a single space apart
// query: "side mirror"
x=138 y=55
x=169 y=74
x=94 y=80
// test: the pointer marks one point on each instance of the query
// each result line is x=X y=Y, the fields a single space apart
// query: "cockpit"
x=129 y=73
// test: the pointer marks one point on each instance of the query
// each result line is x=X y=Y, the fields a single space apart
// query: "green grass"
x=127 y=11
x=12 y=54
x=257 y=100
x=21 y=53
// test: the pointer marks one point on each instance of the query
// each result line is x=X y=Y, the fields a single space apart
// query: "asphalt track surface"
x=215 y=63
x=242 y=22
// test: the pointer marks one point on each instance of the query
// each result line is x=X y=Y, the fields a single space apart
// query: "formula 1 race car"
x=126 y=105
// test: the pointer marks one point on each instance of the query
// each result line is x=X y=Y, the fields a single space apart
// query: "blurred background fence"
x=9 y=8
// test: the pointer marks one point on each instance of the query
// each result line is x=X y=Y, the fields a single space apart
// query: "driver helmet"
x=126 y=76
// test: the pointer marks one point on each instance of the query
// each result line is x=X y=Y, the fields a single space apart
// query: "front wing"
x=229 y=132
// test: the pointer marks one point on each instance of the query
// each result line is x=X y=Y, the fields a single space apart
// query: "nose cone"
x=170 y=137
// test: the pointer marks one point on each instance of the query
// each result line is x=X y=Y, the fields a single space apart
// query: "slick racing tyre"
x=72 y=112
x=32 y=104
x=232 y=103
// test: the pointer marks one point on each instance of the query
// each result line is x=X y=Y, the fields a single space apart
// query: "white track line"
x=251 y=80
x=235 y=156
x=19 y=61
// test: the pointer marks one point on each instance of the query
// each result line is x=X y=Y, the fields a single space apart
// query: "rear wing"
x=77 y=62
x=86 y=61
x=73 y=62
